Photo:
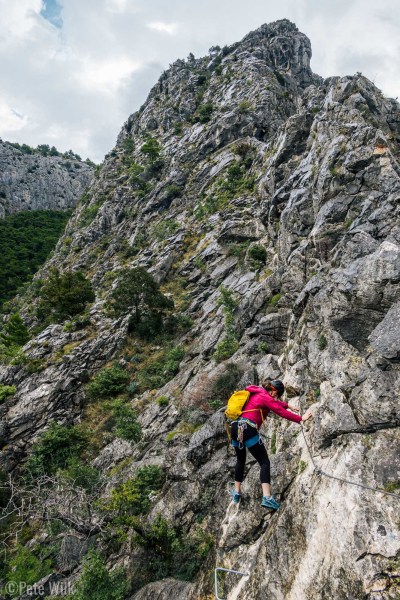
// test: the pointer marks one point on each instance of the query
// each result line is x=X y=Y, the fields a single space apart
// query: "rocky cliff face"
x=32 y=181
x=308 y=170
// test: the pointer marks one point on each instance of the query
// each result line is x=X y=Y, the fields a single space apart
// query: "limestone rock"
x=166 y=589
x=33 y=181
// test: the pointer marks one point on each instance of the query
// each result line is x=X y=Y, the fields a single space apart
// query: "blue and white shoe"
x=235 y=496
x=270 y=502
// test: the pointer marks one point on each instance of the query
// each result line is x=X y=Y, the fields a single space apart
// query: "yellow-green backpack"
x=235 y=404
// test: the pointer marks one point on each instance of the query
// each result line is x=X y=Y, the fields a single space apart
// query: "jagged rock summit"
x=32 y=181
x=245 y=170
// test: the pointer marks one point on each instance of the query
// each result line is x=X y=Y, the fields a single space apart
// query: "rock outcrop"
x=33 y=181
x=254 y=151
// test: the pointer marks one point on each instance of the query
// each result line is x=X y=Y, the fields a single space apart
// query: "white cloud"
x=73 y=86
x=11 y=119
x=108 y=76
x=164 y=27
x=121 y=6
x=18 y=18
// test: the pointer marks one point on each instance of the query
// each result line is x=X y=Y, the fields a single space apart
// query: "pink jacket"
x=260 y=399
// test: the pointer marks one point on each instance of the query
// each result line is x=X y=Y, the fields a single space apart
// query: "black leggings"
x=258 y=451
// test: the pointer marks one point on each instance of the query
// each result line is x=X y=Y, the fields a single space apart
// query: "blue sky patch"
x=52 y=12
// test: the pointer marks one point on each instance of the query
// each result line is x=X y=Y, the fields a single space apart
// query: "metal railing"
x=226 y=571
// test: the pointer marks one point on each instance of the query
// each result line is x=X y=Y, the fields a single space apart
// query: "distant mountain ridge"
x=32 y=181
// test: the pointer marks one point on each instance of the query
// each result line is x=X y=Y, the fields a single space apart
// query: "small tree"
x=109 y=382
x=138 y=293
x=43 y=149
x=56 y=447
x=97 y=583
x=15 y=332
x=151 y=148
x=64 y=295
x=204 y=112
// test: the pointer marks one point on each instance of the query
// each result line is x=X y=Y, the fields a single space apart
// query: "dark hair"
x=275 y=384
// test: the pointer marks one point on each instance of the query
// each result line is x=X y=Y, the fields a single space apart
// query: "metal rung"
x=227 y=571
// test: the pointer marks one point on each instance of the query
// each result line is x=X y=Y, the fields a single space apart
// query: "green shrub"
x=210 y=206
x=239 y=250
x=216 y=403
x=110 y=381
x=180 y=323
x=15 y=332
x=27 y=565
x=132 y=388
x=273 y=301
x=137 y=179
x=154 y=168
x=258 y=254
x=163 y=229
x=80 y=474
x=178 y=128
x=322 y=342
x=202 y=78
x=224 y=385
x=5 y=490
x=128 y=145
x=302 y=466
x=228 y=346
x=79 y=322
x=334 y=171
x=97 y=583
x=204 y=112
x=162 y=401
x=88 y=214
x=124 y=421
x=151 y=148
x=31 y=365
x=132 y=498
x=392 y=486
x=6 y=391
x=171 y=552
x=57 y=446
x=245 y=106
x=161 y=369
x=172 y=191
x=236 y=180
x=64 y=295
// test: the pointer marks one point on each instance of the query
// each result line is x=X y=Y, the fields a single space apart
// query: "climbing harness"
x=226 y=571
x=319 y=471
x=243 y=424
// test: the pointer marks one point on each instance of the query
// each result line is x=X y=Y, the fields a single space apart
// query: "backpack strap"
x=252 y=410
x=228 y=431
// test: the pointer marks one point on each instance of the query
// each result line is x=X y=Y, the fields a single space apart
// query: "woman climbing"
x=244 y=432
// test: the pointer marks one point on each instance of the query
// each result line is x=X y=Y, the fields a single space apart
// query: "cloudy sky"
x=72 y=71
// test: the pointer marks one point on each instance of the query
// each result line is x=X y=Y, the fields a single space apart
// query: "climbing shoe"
x=235 y=496
x=270 y=502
